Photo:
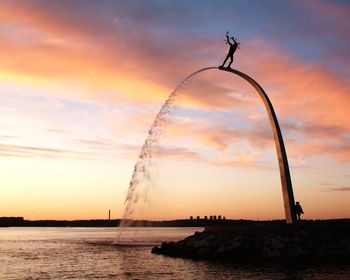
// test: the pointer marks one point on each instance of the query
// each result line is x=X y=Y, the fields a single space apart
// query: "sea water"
x=90 y=253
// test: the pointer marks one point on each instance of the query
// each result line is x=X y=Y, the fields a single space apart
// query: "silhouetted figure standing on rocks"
x=233 y=48
x=298 y=210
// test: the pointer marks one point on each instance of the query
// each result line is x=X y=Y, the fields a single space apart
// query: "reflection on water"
x=90 y=253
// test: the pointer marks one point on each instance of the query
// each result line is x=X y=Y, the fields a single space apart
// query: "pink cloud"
x=131 y=66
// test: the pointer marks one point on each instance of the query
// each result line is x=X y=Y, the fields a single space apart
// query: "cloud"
x=103 y=49
x=318 y=131
x=339 y=152
x=123 y=63
x=297 y=87
x=9 y=150
x=315 y=140
x=88 y=150
x=86 y=57
x=8 y=137
x=96 y=144
x=223 y=138
x=340 y=189
x=177 y=153
x=210 y=133
x=246 y=160
x=335 y=13
x=211 y=92
x=95 y=149
x=112 y=60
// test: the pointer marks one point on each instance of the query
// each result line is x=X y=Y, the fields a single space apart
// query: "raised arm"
x=228 y=39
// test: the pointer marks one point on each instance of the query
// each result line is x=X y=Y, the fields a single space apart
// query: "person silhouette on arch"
x=233 y=48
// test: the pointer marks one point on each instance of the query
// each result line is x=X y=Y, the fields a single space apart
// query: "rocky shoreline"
x=305 y=241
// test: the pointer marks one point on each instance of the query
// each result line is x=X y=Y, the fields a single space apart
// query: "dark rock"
x=304 y=241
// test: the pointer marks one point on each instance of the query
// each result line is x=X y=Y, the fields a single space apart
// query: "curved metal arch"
x=287 y=189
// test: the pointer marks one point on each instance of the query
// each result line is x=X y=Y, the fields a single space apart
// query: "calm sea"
x=91 y=253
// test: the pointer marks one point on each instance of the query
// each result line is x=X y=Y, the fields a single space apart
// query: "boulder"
x=301 y=242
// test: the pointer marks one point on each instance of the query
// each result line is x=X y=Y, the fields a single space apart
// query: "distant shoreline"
x=21 y=222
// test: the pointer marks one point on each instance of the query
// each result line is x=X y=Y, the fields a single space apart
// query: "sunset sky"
x=81 y=82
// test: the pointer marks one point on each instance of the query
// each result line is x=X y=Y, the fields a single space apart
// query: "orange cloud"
x=340 y=189
x=61 y=53
x=130 y=66
x=299 y=89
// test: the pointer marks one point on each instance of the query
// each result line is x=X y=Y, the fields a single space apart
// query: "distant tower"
x=198 y=217
x=109 y=214
x=191 y=217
